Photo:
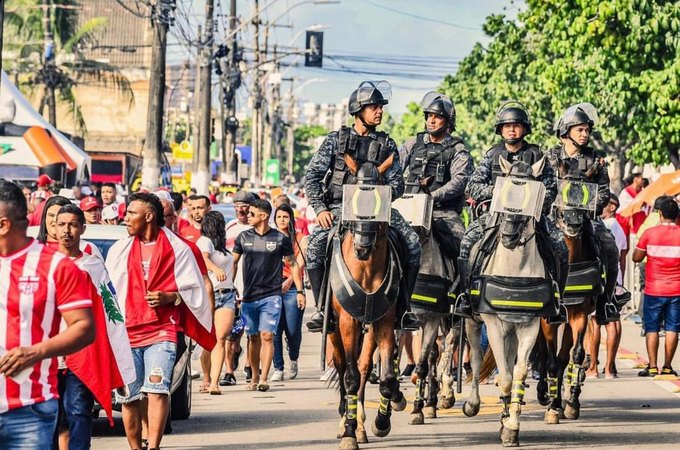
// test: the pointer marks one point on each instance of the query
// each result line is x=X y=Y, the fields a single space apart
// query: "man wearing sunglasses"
x=263 y=250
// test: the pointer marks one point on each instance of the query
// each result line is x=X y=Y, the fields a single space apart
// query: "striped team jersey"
x=36 y=285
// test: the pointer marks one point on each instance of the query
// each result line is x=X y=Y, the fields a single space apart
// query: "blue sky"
x=407 y=37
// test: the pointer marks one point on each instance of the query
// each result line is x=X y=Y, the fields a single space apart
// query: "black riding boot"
x=463 y=305
x=406 y=320
x=315 y=324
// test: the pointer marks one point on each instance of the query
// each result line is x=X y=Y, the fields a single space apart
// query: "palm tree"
x=45 y=52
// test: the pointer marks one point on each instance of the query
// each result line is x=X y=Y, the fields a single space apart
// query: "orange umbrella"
x=666 y=184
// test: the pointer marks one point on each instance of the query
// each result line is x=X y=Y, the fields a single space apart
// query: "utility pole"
x=197 y=106
x=48 y=68
x=160 y=21
x=234 y=82
x=290 y=132
x=257 y=103
x=2 y=29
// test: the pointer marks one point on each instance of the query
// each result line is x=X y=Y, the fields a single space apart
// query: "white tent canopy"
x=26 y=115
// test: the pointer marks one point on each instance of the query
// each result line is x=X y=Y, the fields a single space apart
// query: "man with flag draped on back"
x=161 y=292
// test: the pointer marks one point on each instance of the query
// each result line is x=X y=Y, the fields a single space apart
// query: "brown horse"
x=579 y=298
x=366 y=253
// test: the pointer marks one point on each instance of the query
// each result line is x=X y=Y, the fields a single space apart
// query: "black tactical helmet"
x=512 y=112
x=436 y=103
x=369 y=93
x=583 y=113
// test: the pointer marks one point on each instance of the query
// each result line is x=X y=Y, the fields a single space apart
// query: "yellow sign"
x=183 y=151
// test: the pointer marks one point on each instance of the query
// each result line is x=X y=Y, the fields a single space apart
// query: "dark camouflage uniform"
x=319 y=166
x=480 y=188
x=460 y=169
x=609 y=253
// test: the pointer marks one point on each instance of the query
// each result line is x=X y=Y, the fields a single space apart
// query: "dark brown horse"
x=366 y=253
x=579 y=298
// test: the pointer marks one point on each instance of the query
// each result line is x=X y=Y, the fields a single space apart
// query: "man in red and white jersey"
x=38 y=287
x=661 y=246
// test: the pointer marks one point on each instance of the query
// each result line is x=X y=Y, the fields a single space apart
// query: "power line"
x=427 y=19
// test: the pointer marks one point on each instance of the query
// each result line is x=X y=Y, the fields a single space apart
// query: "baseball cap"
x=244 y=197
x=110 y=212
x=89 y=203
x=43 y=180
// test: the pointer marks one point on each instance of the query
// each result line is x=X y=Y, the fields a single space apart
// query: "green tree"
x=621 y=55
x=24 y=36
x=305 y=147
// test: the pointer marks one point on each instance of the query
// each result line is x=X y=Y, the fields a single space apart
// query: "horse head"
x=512 y=226
x=364 y=234
x=570 y=220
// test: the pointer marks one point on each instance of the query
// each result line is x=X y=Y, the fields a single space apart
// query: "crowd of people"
x=184 y=268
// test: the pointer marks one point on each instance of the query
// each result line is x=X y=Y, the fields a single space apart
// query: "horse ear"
x=505 y=165
x=351 y=164
x=382 y=168
x=537 y=167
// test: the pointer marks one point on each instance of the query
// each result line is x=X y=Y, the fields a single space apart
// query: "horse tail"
x=488 y=365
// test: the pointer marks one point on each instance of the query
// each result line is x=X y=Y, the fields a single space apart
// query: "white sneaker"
x=293 y=370
x=277 y=375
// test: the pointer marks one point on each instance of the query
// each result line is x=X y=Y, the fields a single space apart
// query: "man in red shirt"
x=38 y=287
x=199 y=205
x=661 y=246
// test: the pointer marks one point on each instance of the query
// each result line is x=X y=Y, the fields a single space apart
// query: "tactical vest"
x=362 y=149
x=434 y=160
x=529 y=153
x=578 y=167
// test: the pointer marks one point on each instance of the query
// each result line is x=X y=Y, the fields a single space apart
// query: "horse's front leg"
x=389 y=384
x=430 y=409
x=447 y=397
x=365 y=367
x=473 y=331
x=575 y=370
x=526 y=337
x=350 y=331
x=429 y=331
x=547 y=388
x=339 y=362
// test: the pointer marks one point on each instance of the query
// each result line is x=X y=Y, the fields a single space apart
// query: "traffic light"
x=314 y=49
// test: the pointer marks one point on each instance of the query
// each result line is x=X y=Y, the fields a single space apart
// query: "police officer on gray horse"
x=438 y=163
x=577 y=158
x=327 y=173
x=513 y=124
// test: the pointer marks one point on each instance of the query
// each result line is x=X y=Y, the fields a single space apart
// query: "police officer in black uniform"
x=578 y=159
x=438 y=163
x=327 y=173
x=513 y=125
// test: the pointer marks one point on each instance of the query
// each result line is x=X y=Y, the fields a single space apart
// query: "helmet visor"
x=432 y=97
x=366 y=90
x=571 y=114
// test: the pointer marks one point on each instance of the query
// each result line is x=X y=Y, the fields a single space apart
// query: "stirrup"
x=409 y=322
x=561 y=317
x=463 y=307
x=315 y=324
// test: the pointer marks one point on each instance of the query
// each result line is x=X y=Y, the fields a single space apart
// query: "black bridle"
x=364 y=233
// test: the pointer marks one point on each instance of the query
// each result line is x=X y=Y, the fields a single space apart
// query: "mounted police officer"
x=438 y=163
x=578 y=159
x=512 y=124
x=327 y=173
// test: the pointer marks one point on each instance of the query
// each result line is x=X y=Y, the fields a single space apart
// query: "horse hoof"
x=349 y=443
x=362 y=437
x=381 y=433
x=509 y=438
x=552 y=417
x=543 y=400
x=447 y=402
x=399 y=406
x=430 y=412
x=470 y=410
x=571 y=411
x=417 y=419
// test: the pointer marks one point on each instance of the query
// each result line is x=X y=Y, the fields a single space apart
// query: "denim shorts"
x=156 y=360
x=656 y=309
x=225 y=299
x=29 y=426
x=262 y=315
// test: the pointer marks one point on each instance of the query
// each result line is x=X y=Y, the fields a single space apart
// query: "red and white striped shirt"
x=36 y=285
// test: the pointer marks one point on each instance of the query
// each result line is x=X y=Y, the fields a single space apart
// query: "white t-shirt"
x=234 y=228
x=620 y=237
x=224 y=262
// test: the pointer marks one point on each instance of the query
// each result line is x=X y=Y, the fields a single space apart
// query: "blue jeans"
x=156 y=360
x=262 y=315
x=291 y=324
x=75 y=415
x=661 y=308
x=30 y=427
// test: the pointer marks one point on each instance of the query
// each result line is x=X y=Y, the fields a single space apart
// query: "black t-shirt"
x=262 y=262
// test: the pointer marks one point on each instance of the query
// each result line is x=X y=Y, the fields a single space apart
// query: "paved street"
x=629 y=412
